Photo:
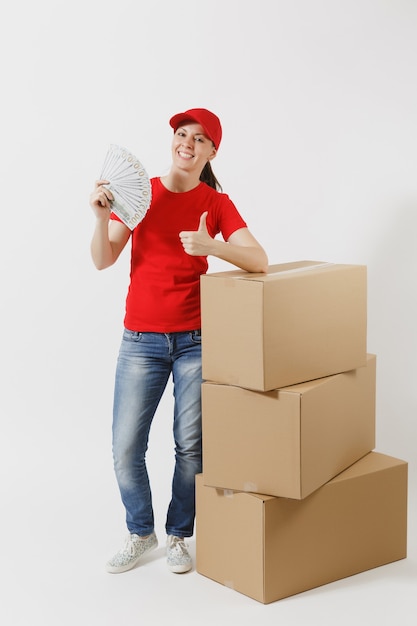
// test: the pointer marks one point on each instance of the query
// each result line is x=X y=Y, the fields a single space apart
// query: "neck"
x=179 y=182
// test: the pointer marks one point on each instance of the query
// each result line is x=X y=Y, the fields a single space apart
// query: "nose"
x=186 y=142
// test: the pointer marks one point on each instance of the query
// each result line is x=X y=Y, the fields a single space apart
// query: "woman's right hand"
x=101 y=199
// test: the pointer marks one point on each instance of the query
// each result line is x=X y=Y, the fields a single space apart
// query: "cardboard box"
x=298 y=322
x=270 y=548
x=290 y=441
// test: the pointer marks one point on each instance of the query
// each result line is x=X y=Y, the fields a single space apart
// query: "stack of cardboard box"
x=292 y=495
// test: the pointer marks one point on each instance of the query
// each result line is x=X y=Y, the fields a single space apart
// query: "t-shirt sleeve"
x=229 y=218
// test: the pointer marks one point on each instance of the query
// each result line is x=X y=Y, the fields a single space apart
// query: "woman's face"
x=191 y=148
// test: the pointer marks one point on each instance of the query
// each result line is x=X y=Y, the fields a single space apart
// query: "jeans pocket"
x=196 y=336
x=131 y=335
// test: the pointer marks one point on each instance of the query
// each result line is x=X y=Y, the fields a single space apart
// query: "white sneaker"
x=178 y=557
x=133 y=549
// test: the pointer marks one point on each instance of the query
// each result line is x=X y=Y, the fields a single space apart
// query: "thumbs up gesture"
x=197 y=242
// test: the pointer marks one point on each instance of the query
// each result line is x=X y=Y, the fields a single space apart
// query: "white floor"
x=61 y=519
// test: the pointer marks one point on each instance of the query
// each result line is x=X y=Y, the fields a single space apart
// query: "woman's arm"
x=241 y=249
x=110 y=236
x=109 y=239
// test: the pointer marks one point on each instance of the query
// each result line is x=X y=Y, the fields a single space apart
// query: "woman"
x=169 y=251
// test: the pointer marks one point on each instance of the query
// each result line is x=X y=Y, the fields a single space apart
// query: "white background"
x=318 y=100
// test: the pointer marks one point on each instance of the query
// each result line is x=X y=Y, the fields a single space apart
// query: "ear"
x=213 y=154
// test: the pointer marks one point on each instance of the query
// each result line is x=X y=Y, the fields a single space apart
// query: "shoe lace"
x=129 y=546
x=178 y=545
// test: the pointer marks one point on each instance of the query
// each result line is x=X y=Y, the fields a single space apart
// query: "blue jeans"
x=144 y=365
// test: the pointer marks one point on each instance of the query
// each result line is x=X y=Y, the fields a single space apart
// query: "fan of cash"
x=129 y=184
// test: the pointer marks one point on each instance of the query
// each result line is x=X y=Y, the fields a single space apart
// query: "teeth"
x=184 y=155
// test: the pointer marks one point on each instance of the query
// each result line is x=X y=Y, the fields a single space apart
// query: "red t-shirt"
x=164 y=290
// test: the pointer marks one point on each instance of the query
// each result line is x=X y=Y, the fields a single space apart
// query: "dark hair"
x=207 y=176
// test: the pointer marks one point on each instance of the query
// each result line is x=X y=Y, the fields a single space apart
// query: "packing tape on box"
x=302 y=269
x=229 y=584
x=248 y=486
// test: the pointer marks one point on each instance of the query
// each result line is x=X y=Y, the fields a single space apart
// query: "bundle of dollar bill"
x=129 y=184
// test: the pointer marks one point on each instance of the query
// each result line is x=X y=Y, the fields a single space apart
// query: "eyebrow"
x=195 y=134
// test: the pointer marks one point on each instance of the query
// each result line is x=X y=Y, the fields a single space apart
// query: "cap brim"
x=176 y=120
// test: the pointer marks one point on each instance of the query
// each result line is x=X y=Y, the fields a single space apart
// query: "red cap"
x=205 y=118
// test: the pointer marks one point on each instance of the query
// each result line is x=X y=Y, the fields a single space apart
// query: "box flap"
x=370 y=463
x=273 y=271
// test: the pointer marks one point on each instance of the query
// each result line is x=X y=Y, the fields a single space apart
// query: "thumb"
x=202 y=225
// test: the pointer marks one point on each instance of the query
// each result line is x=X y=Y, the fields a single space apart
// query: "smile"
x=185 y=155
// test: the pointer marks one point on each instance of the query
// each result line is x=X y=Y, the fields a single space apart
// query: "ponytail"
x=207 y=176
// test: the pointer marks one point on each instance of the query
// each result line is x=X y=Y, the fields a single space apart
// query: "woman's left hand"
x=197 y=242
